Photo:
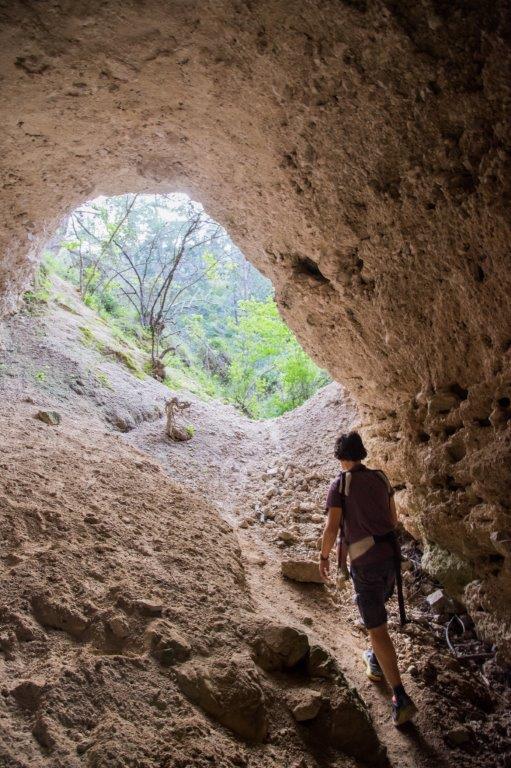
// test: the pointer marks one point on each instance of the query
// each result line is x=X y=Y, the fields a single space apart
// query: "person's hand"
x=324 y=568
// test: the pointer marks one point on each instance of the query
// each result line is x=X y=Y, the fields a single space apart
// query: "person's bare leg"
x=384 y=650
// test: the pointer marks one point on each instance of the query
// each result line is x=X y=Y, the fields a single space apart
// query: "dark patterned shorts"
x=373 y=584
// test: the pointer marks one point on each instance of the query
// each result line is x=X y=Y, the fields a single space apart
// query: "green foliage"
x=89 y=339
x=103 y=379
x=40 y=376
x=269 y=373
x=40 y=293
x=225 y=337
x=190 y=430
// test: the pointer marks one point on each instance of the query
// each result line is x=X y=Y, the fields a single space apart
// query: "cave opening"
x=173 y=288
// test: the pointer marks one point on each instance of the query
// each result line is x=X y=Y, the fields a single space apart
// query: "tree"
x=93 y=230
x=153 y=255
x=269 y=372
x=161 y=272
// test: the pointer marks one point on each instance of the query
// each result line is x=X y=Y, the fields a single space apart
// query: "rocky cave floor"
x=141 y=579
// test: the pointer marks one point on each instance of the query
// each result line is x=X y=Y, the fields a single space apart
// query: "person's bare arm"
x=330 y=531
x=393 y=512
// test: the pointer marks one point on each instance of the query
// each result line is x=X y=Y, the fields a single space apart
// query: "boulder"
x=230 y=692
x=166 y=643
x=277 y=647
x=301 y=570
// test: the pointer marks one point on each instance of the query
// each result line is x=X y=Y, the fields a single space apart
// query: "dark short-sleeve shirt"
x=366 y=510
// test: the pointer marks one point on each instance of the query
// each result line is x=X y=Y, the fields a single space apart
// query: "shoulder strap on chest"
x=383 y=476
x=345 y=484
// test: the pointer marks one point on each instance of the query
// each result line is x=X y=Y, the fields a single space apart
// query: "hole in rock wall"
x=172 y=285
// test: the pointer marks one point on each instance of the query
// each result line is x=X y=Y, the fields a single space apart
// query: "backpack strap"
x=342 y=546
x=385 y=479
x=391 y=537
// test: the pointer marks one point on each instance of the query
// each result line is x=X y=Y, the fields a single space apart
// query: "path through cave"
x=128 y=557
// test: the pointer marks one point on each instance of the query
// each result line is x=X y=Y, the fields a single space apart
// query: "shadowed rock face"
x=358 y=153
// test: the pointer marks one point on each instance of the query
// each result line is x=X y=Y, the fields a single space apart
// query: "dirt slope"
x=133 y=571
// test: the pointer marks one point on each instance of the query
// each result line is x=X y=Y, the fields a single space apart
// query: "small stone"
x=255 y=559
x=305 y=705
x=458 y=736
x=497 y=417
x=52 y=418
x=59 y=615
x=230 y=693
x=8 y=642
x=437 y=600
x=320 y=663
x=83 y=746
x=44 y=732
x=119 y=627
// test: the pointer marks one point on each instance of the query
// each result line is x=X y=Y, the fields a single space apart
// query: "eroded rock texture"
x=358 y=153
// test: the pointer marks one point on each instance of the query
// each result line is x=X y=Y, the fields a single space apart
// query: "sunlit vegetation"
x=170 y=283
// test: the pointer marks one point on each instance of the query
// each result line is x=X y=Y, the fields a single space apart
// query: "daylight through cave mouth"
x=174 y=288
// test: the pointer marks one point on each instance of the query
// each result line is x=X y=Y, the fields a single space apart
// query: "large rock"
x=277 y=647
x=301 y=570
x=229 y=692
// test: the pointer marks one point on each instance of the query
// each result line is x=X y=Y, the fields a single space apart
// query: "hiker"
x=360 y=504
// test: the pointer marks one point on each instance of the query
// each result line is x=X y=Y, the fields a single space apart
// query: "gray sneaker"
x=373 y=670
x=403 y=710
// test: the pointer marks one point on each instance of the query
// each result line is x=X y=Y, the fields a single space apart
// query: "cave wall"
x=358 y=153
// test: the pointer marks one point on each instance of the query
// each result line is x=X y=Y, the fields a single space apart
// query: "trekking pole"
x=399 y=585
x=342 y=557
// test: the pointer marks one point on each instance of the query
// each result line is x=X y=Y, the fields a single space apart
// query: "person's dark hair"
x=349 y=446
